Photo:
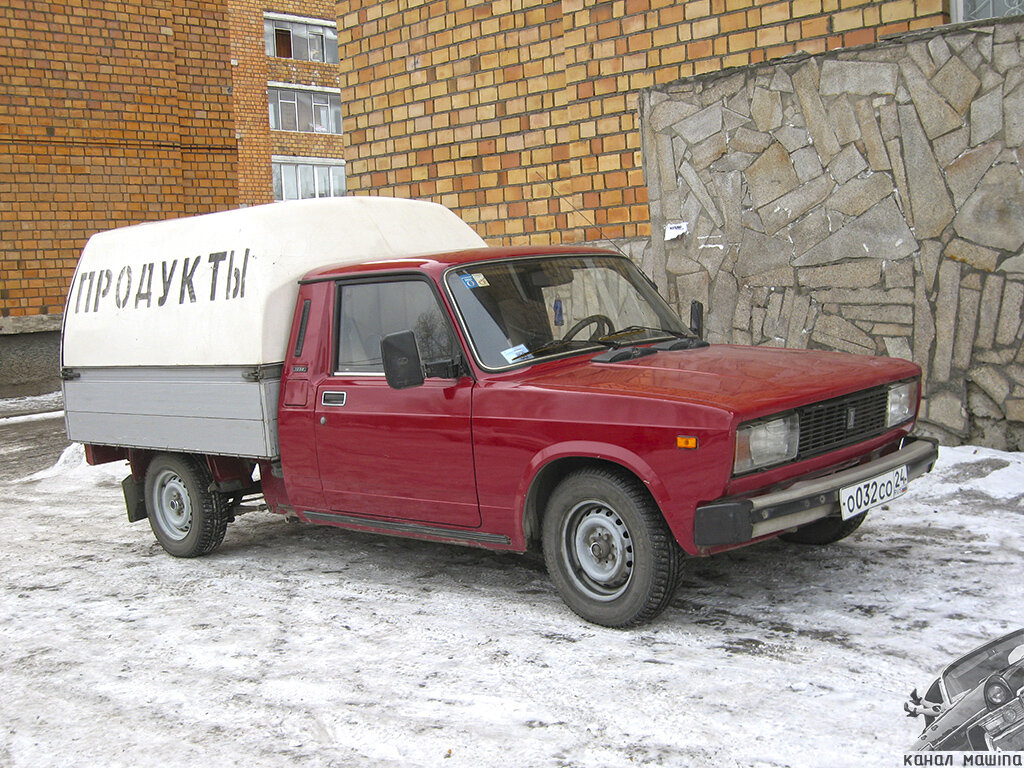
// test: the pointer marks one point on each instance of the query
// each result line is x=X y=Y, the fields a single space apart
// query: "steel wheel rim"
x=172 y=505
x=598 y=549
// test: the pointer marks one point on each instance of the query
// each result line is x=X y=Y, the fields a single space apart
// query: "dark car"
x=977 y=702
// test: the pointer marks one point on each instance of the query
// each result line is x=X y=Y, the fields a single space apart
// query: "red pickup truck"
x=509 y=398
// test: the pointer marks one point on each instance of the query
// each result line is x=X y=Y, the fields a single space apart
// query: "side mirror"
x=697 y=318
x=402 y=366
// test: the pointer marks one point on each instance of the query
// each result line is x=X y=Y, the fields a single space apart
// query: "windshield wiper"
x=631 y=330
x=560 y=343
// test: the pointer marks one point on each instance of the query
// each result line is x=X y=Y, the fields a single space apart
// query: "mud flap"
x=134 y=499
x=723 y=522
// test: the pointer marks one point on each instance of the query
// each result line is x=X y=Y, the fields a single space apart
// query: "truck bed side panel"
x=214 y=410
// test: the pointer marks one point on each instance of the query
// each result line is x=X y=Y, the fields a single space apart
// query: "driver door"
x=387 y=453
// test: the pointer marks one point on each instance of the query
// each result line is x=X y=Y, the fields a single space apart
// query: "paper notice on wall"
x=676 y=229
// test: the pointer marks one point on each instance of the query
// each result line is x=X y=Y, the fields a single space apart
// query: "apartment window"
x=306 y=110
x=299 y=178
x=293 y=37
x=975 y=10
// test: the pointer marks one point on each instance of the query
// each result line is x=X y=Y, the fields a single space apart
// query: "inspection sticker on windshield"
x=516 y=353
x=476 y=280
x=859 y=498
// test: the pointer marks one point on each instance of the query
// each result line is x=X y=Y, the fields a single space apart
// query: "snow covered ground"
x=309 y=646
x=48 y=403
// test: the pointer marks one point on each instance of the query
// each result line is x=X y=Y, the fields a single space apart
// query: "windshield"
x=528 y=309
x=970 y=671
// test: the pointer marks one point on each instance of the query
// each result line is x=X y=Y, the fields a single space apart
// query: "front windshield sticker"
x=475 y=280
x=517 y=353
x=559 y=316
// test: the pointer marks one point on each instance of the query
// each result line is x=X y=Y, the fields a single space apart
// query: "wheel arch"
x=229 y=473
x=550 y=467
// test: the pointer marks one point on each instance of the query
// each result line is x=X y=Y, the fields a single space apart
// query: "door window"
x=369 y=311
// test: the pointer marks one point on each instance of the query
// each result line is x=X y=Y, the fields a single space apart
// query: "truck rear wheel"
x=608 y=550
x=825 y=531
x=187 y=518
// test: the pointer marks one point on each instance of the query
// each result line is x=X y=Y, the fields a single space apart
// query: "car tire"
x=187 y=518
x=608 y=549
x=826 y=531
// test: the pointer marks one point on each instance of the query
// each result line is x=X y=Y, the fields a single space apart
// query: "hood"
x=749 y=381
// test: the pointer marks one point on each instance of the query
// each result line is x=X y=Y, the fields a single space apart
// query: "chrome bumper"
x=739 y=519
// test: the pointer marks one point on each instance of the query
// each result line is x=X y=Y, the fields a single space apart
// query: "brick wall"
x=110 y=114
x=462 y=103
x=252 y=69
x=521 y=114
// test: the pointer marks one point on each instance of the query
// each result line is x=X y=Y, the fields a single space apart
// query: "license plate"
x=855 y=499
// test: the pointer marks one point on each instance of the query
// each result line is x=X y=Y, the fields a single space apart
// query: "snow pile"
x=72 y=471
x=305 y=645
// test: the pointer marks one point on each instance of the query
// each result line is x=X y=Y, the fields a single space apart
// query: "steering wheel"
x=602 y=322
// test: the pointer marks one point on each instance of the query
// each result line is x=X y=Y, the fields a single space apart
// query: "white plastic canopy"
x=220 y=289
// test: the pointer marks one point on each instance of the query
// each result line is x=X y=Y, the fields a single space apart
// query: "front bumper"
x=1005 y=726
x=740 y=519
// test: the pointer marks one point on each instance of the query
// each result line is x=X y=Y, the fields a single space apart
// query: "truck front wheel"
x=187 y=518
x=608 y=550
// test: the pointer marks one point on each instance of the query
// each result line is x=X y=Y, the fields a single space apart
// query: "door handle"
x=335 y=399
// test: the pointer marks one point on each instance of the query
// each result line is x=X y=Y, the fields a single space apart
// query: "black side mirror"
x=402 y=366
x=697 y=318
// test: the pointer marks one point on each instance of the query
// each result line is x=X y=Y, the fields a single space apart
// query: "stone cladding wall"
x=869 y=200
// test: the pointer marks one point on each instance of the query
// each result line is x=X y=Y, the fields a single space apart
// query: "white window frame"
x=332 y=164
x=323 y=113
x=958 y=14
x=324 y=29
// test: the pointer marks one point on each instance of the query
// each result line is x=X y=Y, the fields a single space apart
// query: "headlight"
x=764 y=443
x=902 y=401
x=997 y=692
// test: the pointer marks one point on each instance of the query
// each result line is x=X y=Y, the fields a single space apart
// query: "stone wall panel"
x=869 y=200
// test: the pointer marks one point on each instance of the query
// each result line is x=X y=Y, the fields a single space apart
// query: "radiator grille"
x=842 y=421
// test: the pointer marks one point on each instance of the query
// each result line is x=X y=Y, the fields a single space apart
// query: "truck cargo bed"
x=225 y=410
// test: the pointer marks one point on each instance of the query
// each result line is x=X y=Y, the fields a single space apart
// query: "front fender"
x=584 y=449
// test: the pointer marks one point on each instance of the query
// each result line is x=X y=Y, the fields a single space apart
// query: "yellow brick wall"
x=110 y=114
x=521 y=114
x=460 y=102
x=252 y=69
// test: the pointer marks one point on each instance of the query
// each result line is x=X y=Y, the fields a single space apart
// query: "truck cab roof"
x=436 y=262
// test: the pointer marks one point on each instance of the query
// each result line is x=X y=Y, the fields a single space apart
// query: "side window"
x=369 y=311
